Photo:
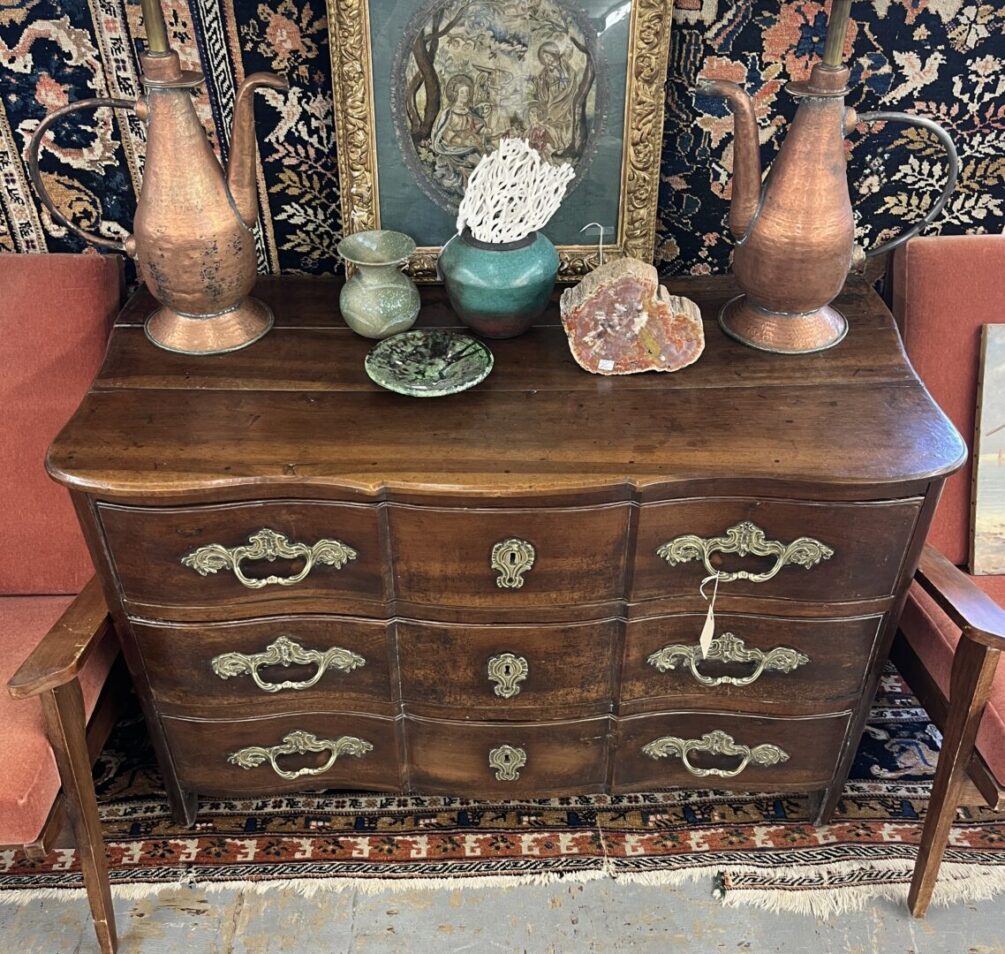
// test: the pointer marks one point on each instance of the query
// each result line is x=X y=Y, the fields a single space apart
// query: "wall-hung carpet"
x=759 y=850
x=943 y=58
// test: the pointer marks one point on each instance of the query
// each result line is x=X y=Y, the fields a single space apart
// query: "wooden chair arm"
x=979 y=617
x=62 y=652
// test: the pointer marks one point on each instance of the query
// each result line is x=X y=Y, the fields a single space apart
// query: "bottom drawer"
x=285 y=753
x=507 y=759
x=706 y=750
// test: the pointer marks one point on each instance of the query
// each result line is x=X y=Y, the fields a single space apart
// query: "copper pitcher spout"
x=243 y=146
x=746 y=153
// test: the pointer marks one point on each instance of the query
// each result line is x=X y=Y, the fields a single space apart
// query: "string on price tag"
x=708 y=630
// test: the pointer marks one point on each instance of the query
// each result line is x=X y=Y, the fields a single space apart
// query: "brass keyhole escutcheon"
x=507 y=760
x=507 y=671
x=511 y=559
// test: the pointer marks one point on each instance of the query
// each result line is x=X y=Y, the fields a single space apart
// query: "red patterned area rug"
x=761 y=851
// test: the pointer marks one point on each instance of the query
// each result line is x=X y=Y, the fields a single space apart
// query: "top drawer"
x=226 y=561
x=795 y=550
x=511 y=559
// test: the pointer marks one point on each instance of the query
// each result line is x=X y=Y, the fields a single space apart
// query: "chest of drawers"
x=319 y=584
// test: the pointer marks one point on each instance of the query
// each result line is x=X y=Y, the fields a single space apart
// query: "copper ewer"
x=795 y=234
x=193 y=237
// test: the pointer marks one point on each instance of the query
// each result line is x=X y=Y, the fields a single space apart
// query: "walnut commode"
x=322 y=585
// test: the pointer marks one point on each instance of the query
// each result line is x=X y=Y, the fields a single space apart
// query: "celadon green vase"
x=498 y=290
x=379 y=299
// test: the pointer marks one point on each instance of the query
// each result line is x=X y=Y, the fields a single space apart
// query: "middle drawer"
x=506 y=672
x=509 y=559
x=272 y=664
x=511 y=760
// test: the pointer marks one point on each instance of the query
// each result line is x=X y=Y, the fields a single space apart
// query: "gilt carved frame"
x=352 y=88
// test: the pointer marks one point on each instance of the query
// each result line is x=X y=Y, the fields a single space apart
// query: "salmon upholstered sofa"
x=945 y=289
x=57 y=645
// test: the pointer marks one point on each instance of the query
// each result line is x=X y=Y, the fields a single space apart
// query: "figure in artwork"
x=459 y=134
x=554 y=93
x=470 y=73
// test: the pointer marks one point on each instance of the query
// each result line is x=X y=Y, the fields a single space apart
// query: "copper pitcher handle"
x=36 y=176
x=954 y=170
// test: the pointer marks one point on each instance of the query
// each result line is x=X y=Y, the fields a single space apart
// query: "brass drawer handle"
x=268 y=545
x=728 y=648
x=299 y=742
x=507 y=760
x=511 y=559
x=716 y=742
x=743 y=539
x=285 y=652
x=507 y=672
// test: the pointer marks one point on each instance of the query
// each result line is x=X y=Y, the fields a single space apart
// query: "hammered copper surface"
x=193 y=237
x=794 y=236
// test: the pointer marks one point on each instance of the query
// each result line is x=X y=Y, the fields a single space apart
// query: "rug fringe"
x=958 y=882
x=309 y=887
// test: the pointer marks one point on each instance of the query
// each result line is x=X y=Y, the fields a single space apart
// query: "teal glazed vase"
x=379 y=299
x=498 y=290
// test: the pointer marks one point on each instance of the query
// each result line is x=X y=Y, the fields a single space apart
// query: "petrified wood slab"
x=621 y=320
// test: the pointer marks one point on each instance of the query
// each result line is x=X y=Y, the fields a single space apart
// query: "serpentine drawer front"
x=715 y=750
x=285 y=753
x=318 y=584
x=231 y=560
x=507 y=760
x=506 y=672
x=799 y=665
x=509 y=558
x=291 y=663
x=793 y=550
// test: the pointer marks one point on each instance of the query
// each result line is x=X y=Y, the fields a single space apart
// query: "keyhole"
x=507 y=670
x=507 y=758
x=512 y=559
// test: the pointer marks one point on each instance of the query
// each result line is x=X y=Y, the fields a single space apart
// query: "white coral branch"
x=511 y=193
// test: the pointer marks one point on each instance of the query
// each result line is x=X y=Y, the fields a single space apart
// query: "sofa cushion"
x=934 y=637
x=61 y=308
x=30 y=780
x=944 y=289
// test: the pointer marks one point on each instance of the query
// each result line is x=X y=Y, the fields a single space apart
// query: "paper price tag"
x=708 y=630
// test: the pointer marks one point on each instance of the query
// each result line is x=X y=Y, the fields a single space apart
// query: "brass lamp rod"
x=153 y=19
x=837 y=28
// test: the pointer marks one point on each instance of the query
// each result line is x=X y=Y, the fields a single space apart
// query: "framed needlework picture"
x=423 y=89
x=987 y=554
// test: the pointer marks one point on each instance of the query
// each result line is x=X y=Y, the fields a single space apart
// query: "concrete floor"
x=598 y=917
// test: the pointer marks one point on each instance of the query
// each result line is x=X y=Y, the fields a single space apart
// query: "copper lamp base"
x=214 y=334
x=780 y=332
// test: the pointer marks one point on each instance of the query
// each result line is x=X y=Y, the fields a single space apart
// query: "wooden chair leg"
x=973 y=673
x=65 y=724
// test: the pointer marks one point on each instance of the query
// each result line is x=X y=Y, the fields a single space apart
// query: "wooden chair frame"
x=51 y=673
x=962 y=776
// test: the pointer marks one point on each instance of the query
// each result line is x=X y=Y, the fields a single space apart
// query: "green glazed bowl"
x=498 y=290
